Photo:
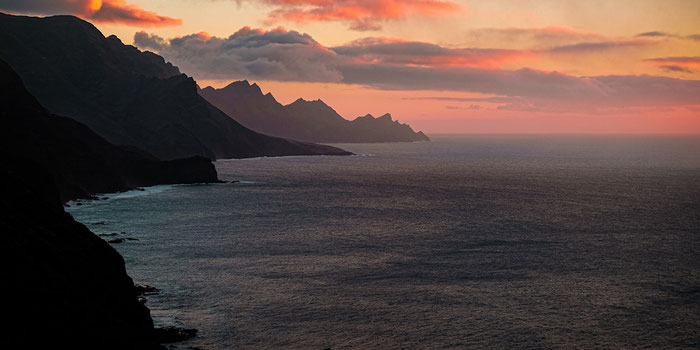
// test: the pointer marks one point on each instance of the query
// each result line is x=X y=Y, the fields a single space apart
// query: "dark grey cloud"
x=522 y=82
x=391 y=51
x=149 y=41
x=654 y=34
x=249 y=53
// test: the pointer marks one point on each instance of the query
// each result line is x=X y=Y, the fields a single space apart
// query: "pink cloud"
x=104 y=11
x=360 y=14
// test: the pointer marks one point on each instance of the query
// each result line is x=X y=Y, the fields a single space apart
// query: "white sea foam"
x=144 y=191
x=141 y=191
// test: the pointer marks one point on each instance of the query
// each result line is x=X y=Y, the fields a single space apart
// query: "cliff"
x=81 y=162
x=67 y=287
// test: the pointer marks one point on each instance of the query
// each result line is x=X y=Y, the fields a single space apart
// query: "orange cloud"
x=105 y=11
x=360 y=14
x=119 y=12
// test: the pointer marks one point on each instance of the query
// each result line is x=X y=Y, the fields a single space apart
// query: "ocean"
x=466 y=242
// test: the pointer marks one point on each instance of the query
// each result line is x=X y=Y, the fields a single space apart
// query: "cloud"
x=396 y=51
x=494 y=99
x=556 y=40
x=471 y=107
x=655 y=34
x=392 y=64
x=672 y=68
x=149 y=41
x=105 y=11
x=547 y=90
x=681 y=64
x=277 y=54
x=660 y=34
x=598 y=46
x=539 y=38
x=362 y=15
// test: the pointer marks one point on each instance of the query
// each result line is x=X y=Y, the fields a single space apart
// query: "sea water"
x=466 y=242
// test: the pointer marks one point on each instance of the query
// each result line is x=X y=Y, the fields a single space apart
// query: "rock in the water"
x=173 y=334
x=144 y=289
x=108 y=234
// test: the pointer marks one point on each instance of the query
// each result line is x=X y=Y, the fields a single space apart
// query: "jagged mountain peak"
x=308 y=120
x=244 y=86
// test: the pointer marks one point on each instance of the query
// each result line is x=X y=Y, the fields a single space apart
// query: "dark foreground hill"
x=81 y=162
x=311 y=121
x=67 y=287
x=127 y=96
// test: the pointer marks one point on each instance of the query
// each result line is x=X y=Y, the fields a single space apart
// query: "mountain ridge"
x=312 y=121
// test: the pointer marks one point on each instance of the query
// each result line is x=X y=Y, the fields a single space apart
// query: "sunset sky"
x=458 y=66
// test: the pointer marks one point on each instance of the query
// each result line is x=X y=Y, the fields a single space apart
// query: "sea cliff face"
x=66 y=285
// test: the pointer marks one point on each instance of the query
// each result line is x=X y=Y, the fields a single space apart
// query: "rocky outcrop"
x=127 y=96
x=312 y=121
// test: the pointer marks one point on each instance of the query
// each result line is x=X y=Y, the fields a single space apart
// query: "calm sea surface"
x=466 y=242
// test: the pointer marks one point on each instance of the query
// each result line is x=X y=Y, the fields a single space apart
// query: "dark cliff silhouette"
x=68 y=287
x=311 y=121
x=81 y=162
x=127 y=96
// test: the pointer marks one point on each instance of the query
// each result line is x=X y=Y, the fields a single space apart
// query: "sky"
x=443 y=66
